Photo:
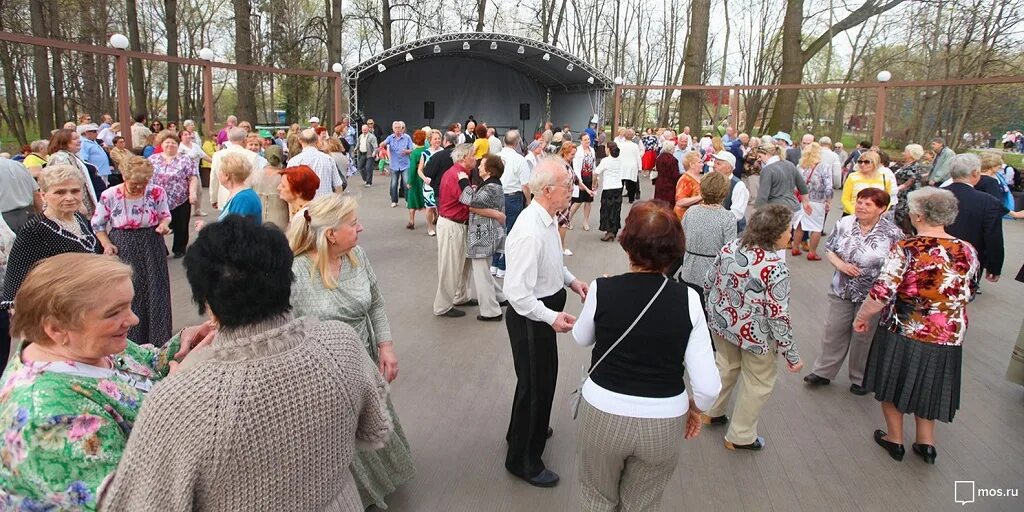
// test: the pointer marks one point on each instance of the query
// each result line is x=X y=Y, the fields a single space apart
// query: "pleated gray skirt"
x=920 y=378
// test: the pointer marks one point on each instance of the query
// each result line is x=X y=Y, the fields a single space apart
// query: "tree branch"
x=865 y=11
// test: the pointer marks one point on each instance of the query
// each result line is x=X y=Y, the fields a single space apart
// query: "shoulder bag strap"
x=630 y=328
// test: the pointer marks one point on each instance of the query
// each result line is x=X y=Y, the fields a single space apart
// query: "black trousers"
x=632 y=189
x=5 y=336
x=535 y=355
x=179 y=224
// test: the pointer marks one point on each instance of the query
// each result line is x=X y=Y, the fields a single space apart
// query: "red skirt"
x=647 y=161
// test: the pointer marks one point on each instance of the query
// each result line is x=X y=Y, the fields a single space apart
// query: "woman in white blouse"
x=635 y=408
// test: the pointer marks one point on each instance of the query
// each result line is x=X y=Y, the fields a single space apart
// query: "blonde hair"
x=57 y=174
x=310 y=232
x=690 y=158
x=235 y=168
x=136 y=167
x=61 y=289
x=810 y=156
x=159 y=138
x=990 y=160
x=717 y=144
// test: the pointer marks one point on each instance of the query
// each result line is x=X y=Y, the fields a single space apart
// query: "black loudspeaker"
x=524 y=111
x=428 y=110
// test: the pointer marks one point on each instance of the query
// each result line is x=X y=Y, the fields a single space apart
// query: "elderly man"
x=736 y=201
x=139 y=132
x=321 y=163
x=233 y=145
x=398 y=146
x=979 y=218
x=535 y=286
x=940 y=166
x=222 y=135
x=314 y=122
x=19 y=194
x=629 y=159
x=91 y=151
x=682 y=147
x=366 y=159
x=831 y=161
x=794 y=154
x=493 y=142
x=515 y=183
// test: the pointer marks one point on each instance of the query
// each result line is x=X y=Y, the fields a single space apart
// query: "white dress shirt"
x=324 y=167
x=629 y=156
x=834 y=166
x=219 y=194
x=534 y=267
x=740 y=198
x=610 y=171
x=699 y=359
x=517 y=171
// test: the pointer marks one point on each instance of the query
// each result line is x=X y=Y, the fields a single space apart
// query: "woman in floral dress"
x=908 y=178
x=414 y=199
x=922 y=293
x=178 y=175
x=71 y=393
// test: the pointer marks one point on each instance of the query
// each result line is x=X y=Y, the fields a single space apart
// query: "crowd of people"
x=106 y=393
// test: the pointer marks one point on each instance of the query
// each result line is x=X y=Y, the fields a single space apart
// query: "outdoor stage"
x=455 y=387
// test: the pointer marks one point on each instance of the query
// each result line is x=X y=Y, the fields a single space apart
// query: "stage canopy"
x=505 y=81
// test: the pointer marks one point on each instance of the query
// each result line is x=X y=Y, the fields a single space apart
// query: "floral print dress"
x=65 y=425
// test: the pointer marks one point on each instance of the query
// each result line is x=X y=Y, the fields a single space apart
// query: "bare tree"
x=693 y=66
x=246 y=107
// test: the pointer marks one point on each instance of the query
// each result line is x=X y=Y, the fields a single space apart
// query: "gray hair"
x=668 y=147
x=937 y=206
x=767 y=139
x=548 y=172
x=512 y=138
x=825 y=140
x=460 y=151
x=39 y=146
x=188 y=122
x=915 y=150
x=630 y=134
x=964 y=165
x=57 y=174
x=535 y=144
x=308 y=137
x=237 y=135
x=451 y=138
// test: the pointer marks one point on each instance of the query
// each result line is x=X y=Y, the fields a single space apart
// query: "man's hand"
x=580 y=288
x=563 y=322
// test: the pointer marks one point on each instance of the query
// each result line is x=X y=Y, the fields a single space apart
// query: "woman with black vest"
x=635 y=409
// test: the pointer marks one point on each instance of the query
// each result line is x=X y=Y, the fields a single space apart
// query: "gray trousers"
x=840 y=339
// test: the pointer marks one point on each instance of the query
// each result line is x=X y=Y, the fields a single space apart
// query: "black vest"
x=742 y=223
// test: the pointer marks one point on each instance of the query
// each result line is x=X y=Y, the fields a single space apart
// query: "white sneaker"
x=500 y=274
x=393 y=205
x=567 y=252
x=494 y=270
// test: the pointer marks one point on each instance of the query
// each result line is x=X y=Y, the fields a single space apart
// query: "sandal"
x=796 y=251
x=813 y=256
x=410 y=226
x=586 y=227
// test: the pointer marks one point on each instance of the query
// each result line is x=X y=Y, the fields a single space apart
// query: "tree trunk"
x=385 y=24
x=792 y=67
x=90 y=99
x=41 y=70
x=695 y=57
x=173 y=91
x=138 y=78
x=246 y=87
x=481 y=12
x=59 y=107
x=558 y=24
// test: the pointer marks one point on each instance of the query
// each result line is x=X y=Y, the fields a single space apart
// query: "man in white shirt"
x=321 y=163
x=736 y=201
x=234 y=145
x=515 y=183
x=493 y=142
x=535 y=286
x=831 y=161
x=629 y=156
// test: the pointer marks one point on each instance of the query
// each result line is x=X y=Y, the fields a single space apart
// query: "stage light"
x=520 y=50
x=119 y=41
x=547 y=56
x=408 y=57
x=884 y=76
x=381 y=67
x=337 y=67
x=206 y=54
x=590 y=80
x=494 y=45
x=465 y=45
x=569 y=67
x=437 y=48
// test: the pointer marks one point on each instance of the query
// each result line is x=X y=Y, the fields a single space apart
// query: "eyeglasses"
x=862 y=162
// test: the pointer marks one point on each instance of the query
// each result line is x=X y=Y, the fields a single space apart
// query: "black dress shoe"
x=179 y=255
x=551 y=432
x=453 y=313
x=503 y=303
x=716 y=420
x=816 y=380
x=755 y=446
x=858 y=390
x=546 y=478
x=470 y=302
x=895 y=450
x=926 y=451
x=489 y=318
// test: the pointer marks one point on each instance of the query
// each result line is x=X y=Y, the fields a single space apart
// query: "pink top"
x=115 y=211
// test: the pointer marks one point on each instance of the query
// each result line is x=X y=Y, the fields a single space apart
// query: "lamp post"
x=618 y=81
x=124 y=112
x=883 y=77
x=208 y=112
x=339 y=74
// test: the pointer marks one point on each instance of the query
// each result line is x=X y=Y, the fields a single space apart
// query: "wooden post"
x=124 y=110
x=615 y=112
x=879 y=117
x=736 y=111
x=338 y=84
x=208 y=109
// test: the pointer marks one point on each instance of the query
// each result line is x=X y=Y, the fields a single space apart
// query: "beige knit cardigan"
x=266 y=418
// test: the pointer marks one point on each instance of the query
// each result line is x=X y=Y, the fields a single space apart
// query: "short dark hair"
x=652 y=236
x=140 y=117
x=613 y=149
x=241 y=270
x=878 y=196
x=866 y=144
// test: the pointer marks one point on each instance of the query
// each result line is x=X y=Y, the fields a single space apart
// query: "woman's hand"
x=388 y=361
x=849 y=269
x=794 y=368
x=163 y=229
x=195 y=337
x=426 y=180
x=109 y=249
x=693 y=424
x=463 y=176
x=193 y=198
x=860 y=325
x=199 y=225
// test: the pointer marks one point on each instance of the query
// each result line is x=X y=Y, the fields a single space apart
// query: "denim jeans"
x=513 y=207
x=366 y=165
x=397 y=183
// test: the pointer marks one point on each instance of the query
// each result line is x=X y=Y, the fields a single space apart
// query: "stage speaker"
x=428 y=110
x=524 y=111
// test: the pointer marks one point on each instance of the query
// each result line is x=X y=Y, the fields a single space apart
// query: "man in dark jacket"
x=979 y=219
x=440 y=162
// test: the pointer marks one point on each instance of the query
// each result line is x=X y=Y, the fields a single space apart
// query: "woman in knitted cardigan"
x=268 y=416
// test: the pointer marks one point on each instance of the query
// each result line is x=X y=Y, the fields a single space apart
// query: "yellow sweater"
x=855 y=182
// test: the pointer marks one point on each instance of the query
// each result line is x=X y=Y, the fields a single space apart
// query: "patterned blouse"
x=119 y=212
x=748 y=300
x=40 y=238
x=865 y=251
x=686 y=187
x=819 y=183
x=925 y=284
x=707 y=230
x=173 y=177
x=914 y=173
x=66 y=425
x=650 y=142
x=486 y=236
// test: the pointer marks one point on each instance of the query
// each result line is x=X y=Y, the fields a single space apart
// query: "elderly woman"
x=267 y=186
x=708 y=227
x=61 y=228
x=568 y=152
x=748 y=308
x=233 y=176
x=857 y=248
x=992 y=181
x=869 y=173
x=688 y=185
x=429 y=197
x=486 y=234
x=642 y=345
x=178 y=176
x=583 y=164
x=610 y=170
x=63 y=149
x=232 y=393
x=335 y=281
x=414 y=199
x=71 y=394
x=819 y=191
x=909 y=177
x=924 y=288
x=298 y=187
x=130 y=222
x=667 y=168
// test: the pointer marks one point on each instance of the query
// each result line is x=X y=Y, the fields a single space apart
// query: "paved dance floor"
x=456 y=381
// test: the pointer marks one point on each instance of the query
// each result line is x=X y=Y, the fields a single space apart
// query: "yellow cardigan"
x=855 y=182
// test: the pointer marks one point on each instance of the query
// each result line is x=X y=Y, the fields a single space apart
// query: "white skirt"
x=812 y=222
